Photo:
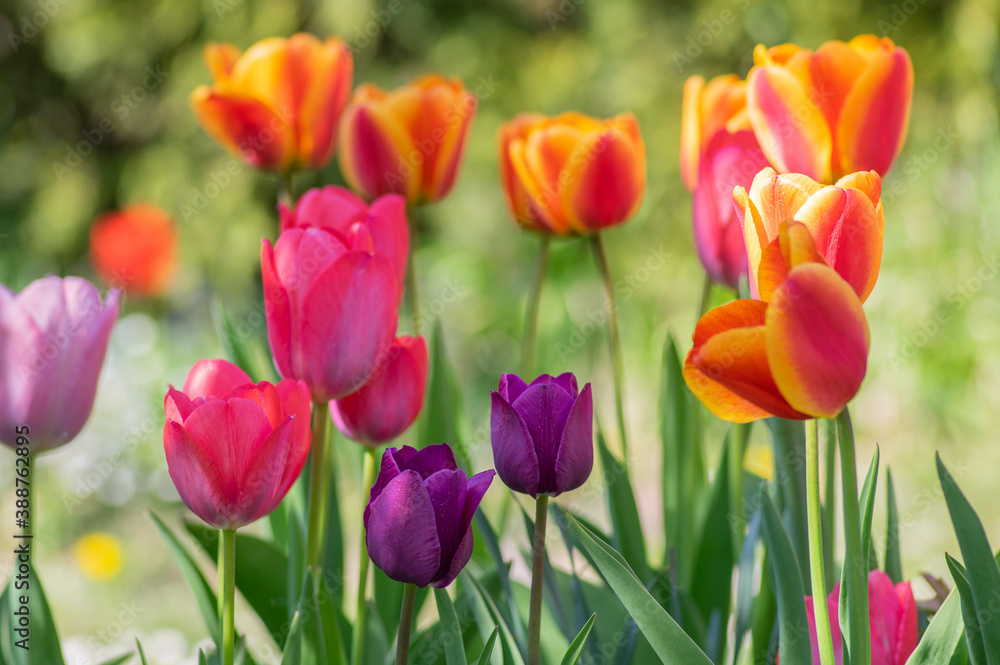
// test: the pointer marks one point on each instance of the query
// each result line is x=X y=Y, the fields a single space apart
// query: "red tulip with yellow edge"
x=845 y=221
x=406 y=141
x=802 y=354
x=277 y=104
x=572 y=174
x=135 y=248
x=840 y=109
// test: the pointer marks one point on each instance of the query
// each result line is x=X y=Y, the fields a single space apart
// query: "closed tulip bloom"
x=331 y=306
x=276 y=105
x=135 y=248
x=419 y=515
x=846 y=223
x=386 y=406
x=707 y=110
x=407 y=141
x=339 y=209
x=232 y=458
x=572 y=174
x=842 y=109
x=802 y=354
x=53 y=338
x=543 y=434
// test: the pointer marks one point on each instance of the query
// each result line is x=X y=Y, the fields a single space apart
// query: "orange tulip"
x=842 y=109
x=845 y=221
x=277 y=104
x=803 y=354
x=135 y=249
x=719 y=106
x=408 y=141
x=572 y=174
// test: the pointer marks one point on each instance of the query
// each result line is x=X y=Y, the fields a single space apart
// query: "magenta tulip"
x=233 y=458
x=339 y=209
x=543 y=434
x=419 y=515
x=331 y=305
x=390 y=402
x=53 y=338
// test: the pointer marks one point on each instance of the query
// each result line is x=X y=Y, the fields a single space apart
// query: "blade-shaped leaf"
x=142 y=654
x=30 y=636
x=974 y=638
x=712 y=582
x=893 y=559
x=203 y=594
x=124 y=658
x=943 y=636
x=454 y=649
x=487 y=614
x=670 y=642
x=492 y=543
x=626 y=528
x=484 y=657
x=243 y=344
x=788 y=437
x=853 y=611
x=439 y=419
x=867 y=501
x=306 y=642
x=793 y=632
x=576 y=646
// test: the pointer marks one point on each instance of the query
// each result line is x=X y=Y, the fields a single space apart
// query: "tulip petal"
x=519 y=201
x=401 y=533
x=514 y=453
x=329 y=207
x=246 y=127
x=475 y=490
x=575 y=459
x=278 y=312
x=376 y=153
x=868 y=182
x=322 y=76
x=538 y=162
x=884 y=610
x=458 y=561
x=511 y=387
x=832 y=608
x=691 y=134
x=793 y=246
x=295 y=401
x=220 y=60
x=567 y=381
x=543 y=409
x=906 y=640
x=447 y=490
x=428 y=460
x=192 y=468
x=391 y=231
x=817 y=340
x=214 y=378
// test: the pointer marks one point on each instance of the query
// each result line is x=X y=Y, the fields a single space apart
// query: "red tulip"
x=135 y=249
x=339 y=209
x=386 y=406
x=233 y=458
x=331 y=306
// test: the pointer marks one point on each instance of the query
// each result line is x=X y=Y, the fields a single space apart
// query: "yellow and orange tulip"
x=407 y=141
x=802 y=354
x=276 y=105
x=840 y=109
x=845 y=222
x=708 y=109
x=572 y=174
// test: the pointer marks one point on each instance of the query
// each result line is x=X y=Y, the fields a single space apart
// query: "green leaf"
x=674 y=437
x=261 y=575
x=439 y=420
x=202 y=660
x=943 y=636
x=124 y=658
x=306 y=643
x=329 y=615
x=983 y=572
x=552 y=594
x=488 y=615
x=893 y=558
x=333 y=548
x=454 y=648
x=853 y=611
x=242 y=344
x=788 y=437
x=295 y=569
x=745 y=583
x=626 y=528
x=867 y=500
x=576 y=646
x=203 y=594
x=974 y=638
x=828 y=443
x=142 y=654
x=39 y=637
x=712 y=581
x=793 y=632
x=492 y=543
x=668 y=640
x=484 y=657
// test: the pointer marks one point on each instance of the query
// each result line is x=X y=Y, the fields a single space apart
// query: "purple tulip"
x=53 y=337
x=543 y=434
x=418 y=517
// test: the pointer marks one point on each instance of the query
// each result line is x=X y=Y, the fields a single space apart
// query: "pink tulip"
x=331 y=304
x=53 y=337
x=390 y=402
x=339 y=209
x=233 y=458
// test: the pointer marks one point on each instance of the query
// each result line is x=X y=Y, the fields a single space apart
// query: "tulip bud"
x=53 y=338
x=135 y=249
x=543 y=434
x=419 y=515
x=386 y=406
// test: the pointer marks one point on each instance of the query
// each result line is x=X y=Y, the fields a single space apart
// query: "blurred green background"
x=70 y=67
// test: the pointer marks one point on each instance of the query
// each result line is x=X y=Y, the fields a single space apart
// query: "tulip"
x=845 y=221
x=419 y=513
x=331 y=306
x=233 y=458
x=135 y=248
x=406 y=141
x=707 y=111
x=276 y=105
x=842 y=109
x=802 y=354
x=572 y=174
x=386 y=406
x=53 y=337
x=339 y=209
x=543 y=434
x=214 y=379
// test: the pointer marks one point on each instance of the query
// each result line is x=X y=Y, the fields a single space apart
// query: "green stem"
x=531 y=316
x=286 y=191
x=828 y=439
x=613 y=338
x=706 y=296
x=358 y=644
x=221 y=565
x=537 y=578
x=814 y=516
x=856 y=562
x=318 y=488
x=411 y=269
x=405 y=623
x=228 y=593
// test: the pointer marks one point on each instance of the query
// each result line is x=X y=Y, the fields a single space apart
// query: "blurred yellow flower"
x=759 y=460
x=99 y=556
